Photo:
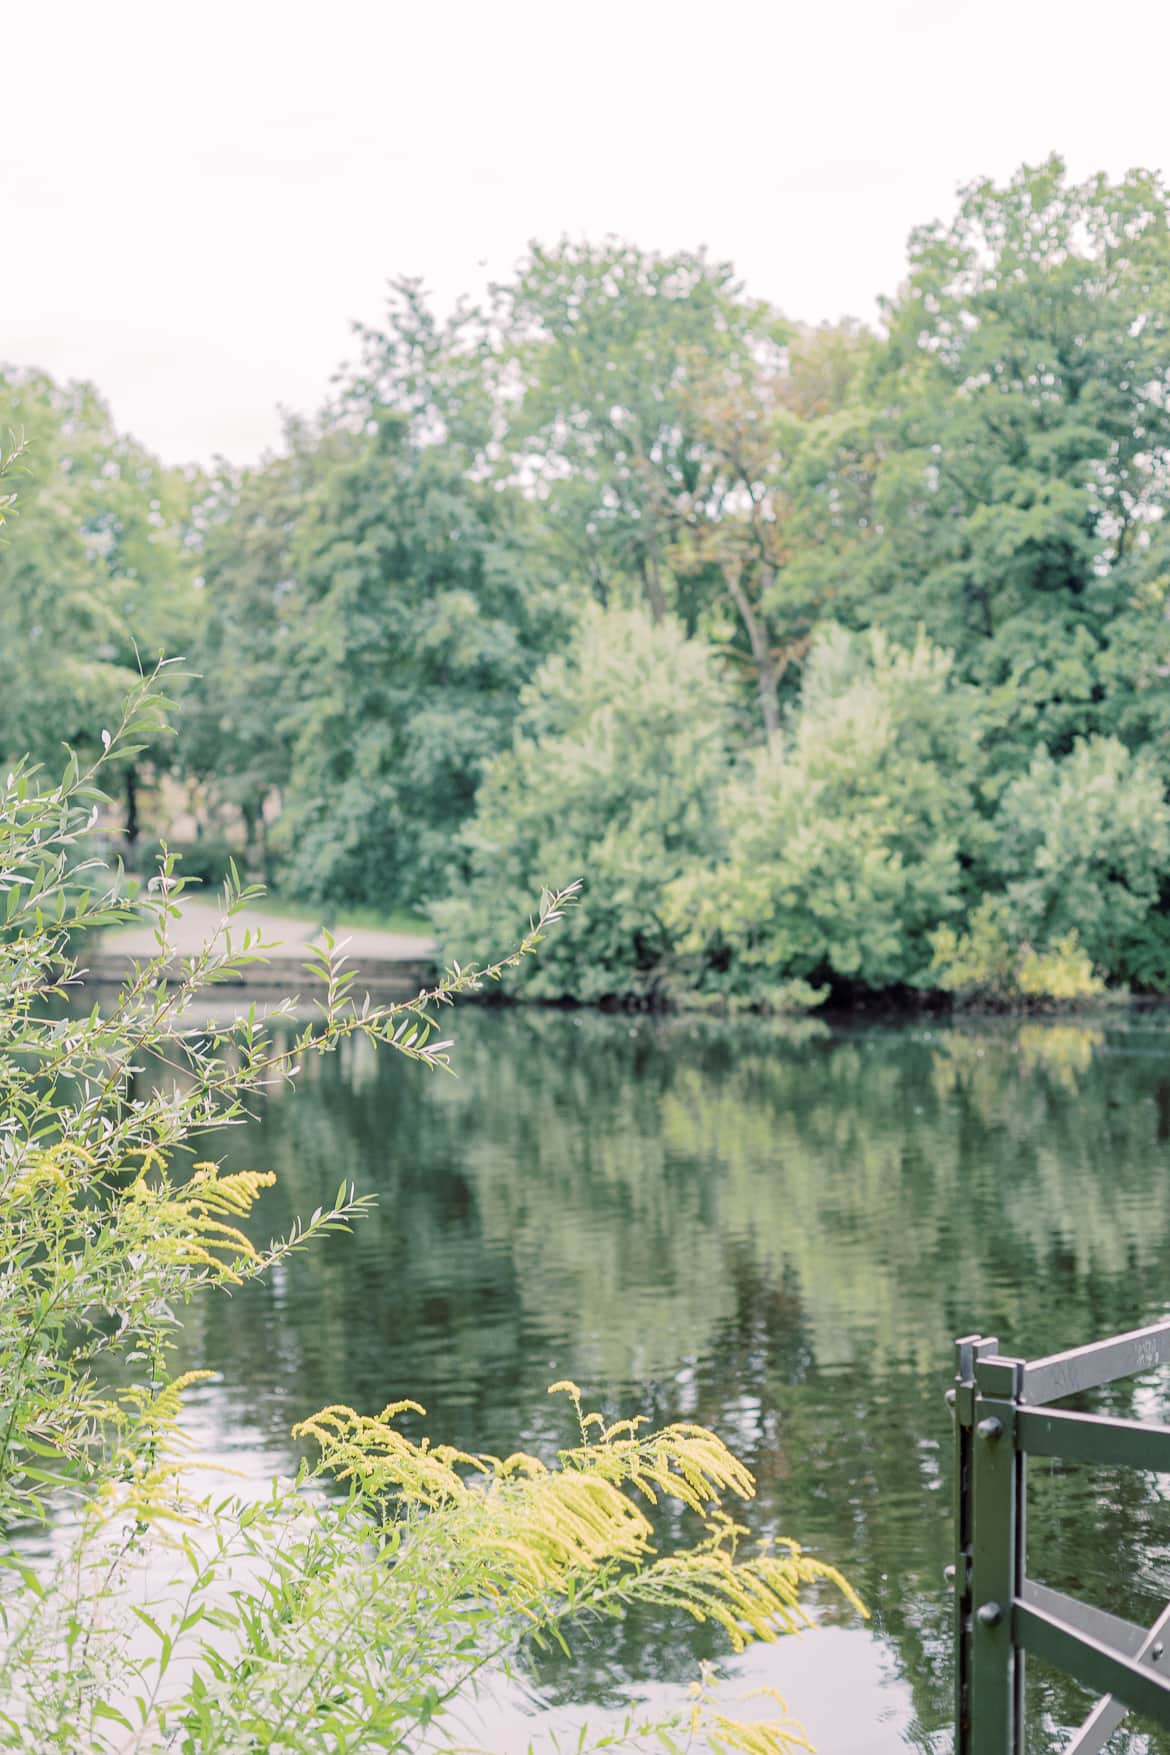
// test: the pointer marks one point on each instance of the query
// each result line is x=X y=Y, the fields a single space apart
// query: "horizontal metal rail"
x=1092 y=1438
x=1110 y=1713
x=1061 y=1374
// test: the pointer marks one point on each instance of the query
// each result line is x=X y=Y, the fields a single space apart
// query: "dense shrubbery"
x=618 y=758
x=860 y=848
x=843 y=837
x=1082 y=842
x=990 y=963
x=928 y=572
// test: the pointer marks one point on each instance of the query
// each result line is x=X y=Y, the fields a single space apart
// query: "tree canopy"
x=802 y=645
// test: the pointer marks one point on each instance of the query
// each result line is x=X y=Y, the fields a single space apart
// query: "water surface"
x=775 y=1231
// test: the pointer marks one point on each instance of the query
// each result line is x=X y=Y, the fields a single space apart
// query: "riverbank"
x=385 y=961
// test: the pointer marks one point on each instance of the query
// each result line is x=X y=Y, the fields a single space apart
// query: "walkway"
x=383 y=959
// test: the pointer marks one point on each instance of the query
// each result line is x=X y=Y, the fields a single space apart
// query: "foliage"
x=304 y=1621
x=207 y=861
x=617 y=760
x=1024 y=435
x=689 y=446
x=1081 y=845
x=236 y=744
x=987 y=963
x=778 y=482
x=413 y=621
x=601 y=340
x=99 y=583
x=1077 y=858
x=844 y=835
x=629 y=428
x=9 y=463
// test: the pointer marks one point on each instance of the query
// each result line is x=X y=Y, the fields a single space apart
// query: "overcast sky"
x=195 y=199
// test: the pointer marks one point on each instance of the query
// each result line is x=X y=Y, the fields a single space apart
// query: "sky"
x=196 y=200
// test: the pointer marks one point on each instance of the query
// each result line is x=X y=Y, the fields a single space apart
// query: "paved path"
x=378 y=955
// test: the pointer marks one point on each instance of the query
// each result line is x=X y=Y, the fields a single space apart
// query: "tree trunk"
x=131 y=806
x=251 y=813
x=652 y=585
x=767 y=675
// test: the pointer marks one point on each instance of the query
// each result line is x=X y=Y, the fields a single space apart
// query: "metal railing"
x=1003 y=1416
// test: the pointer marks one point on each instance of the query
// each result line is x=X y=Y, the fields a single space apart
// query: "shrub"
x=844 y=835
x=304 y=1622
x=615 y=770
x=1082 y=846
x=990 y=964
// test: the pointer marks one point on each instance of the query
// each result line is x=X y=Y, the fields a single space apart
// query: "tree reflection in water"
x=775 y=1230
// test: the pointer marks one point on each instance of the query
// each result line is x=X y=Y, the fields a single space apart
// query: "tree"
x=780 y=476
x=100 y=582
x=1025 y=444
x=689 y=447
x=416 y=612
x=845 y=837
x=597 y=345
x=617 y=759
x=235 y=737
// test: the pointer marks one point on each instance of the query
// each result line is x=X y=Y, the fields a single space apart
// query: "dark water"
x=775 y=1232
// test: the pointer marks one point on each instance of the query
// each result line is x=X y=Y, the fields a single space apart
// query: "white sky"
x=196 y=198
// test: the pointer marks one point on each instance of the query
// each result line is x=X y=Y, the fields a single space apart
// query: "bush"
x=1082 y=844
x=308 y=1621
x=844 y=835
x=615 y=771
x=990 y=964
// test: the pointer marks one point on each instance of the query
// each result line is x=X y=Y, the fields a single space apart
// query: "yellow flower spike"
x=187 y=1378
x=628 y=1426
x=51 y=1167
x=521 y=1463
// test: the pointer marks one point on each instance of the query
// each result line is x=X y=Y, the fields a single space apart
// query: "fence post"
x=962 y=1400
x=996 y=1682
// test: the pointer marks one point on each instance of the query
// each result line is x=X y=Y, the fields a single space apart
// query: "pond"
x=776 y=1231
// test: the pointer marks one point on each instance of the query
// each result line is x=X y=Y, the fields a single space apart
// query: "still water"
x=774 y=1231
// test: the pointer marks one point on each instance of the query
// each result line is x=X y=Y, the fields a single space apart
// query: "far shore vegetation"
x=836 y=660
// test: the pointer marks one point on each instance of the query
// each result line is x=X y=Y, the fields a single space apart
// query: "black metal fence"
x=1003 y=1415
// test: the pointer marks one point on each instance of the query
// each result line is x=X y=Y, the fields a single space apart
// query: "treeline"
x=833 y=660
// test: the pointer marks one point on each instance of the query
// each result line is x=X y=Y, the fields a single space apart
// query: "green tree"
x=235 y=734
x=845 y=837
x=416 y=612
x=780 y=475
x=100 y=582
x=1027 y=422
x=689 y=447
x=599 y=340
x=617 y=760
